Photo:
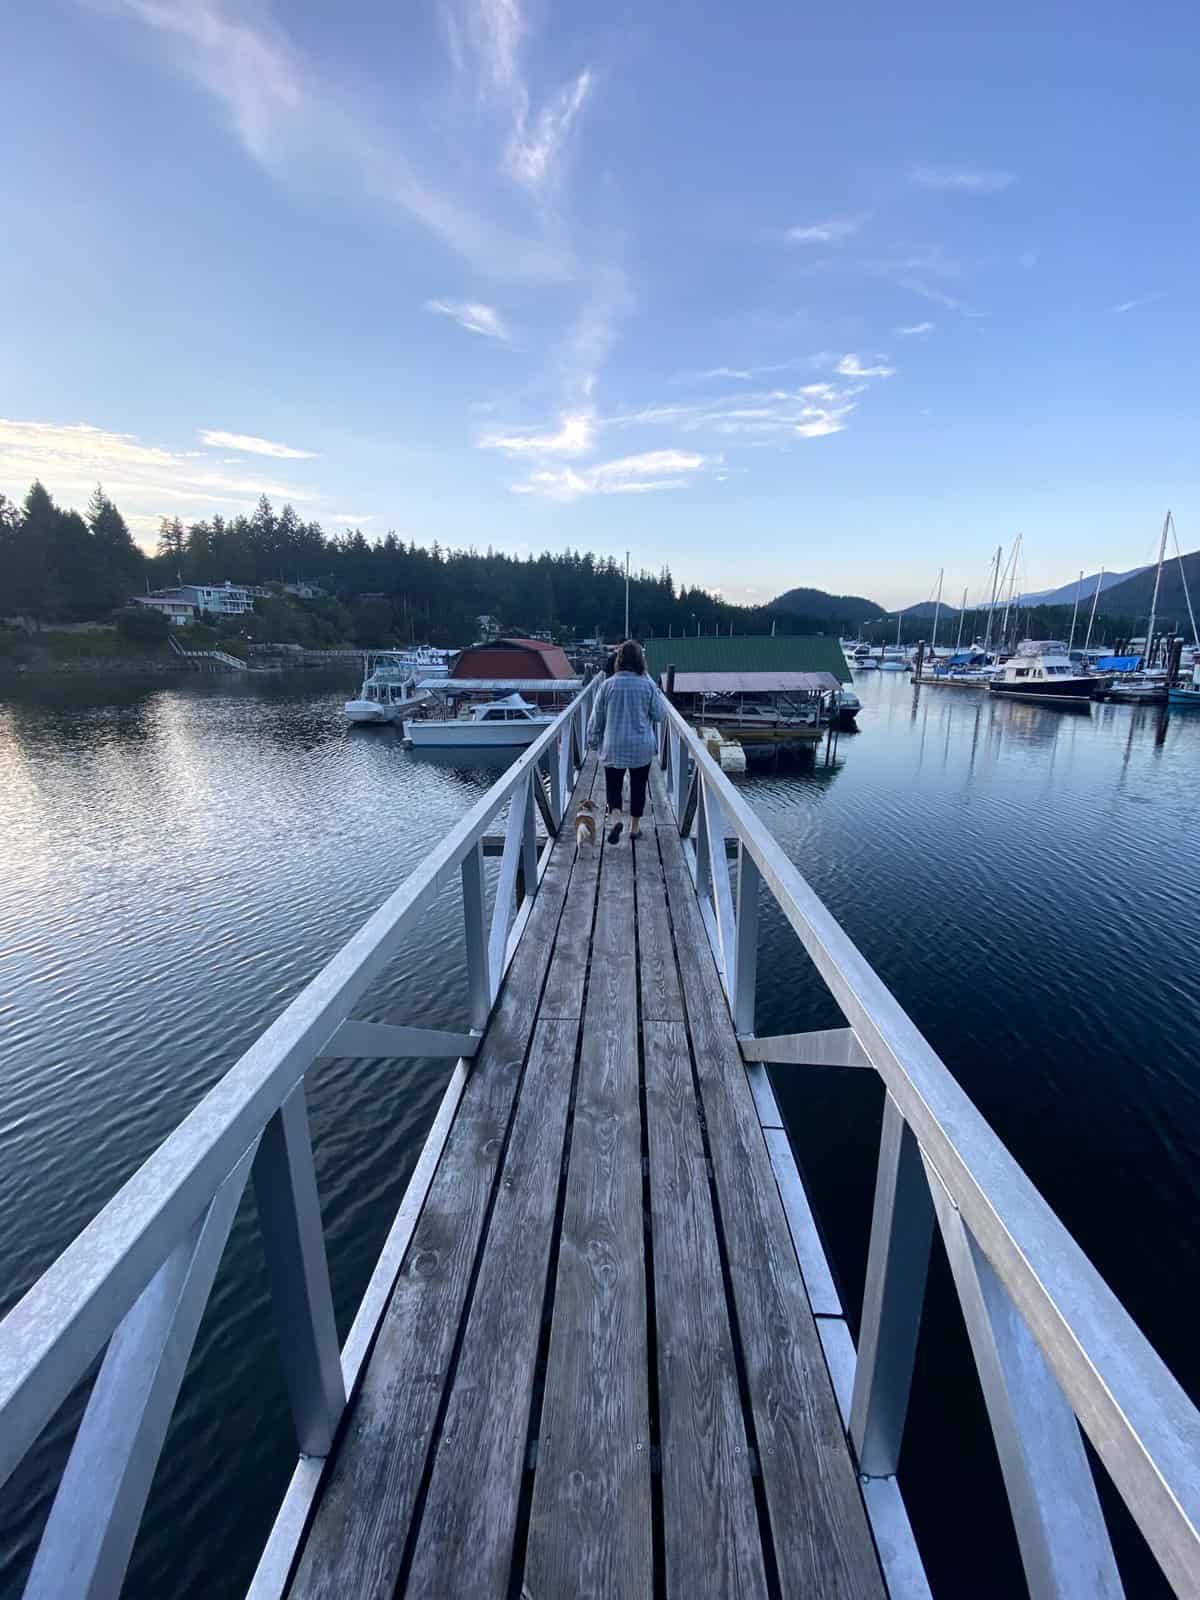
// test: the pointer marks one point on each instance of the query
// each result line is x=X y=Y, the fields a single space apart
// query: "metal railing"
x=1055 y=1350
x=137 y=1279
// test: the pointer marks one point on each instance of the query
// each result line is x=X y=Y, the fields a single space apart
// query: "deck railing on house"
x=1055 y=1350
x=137 y=1279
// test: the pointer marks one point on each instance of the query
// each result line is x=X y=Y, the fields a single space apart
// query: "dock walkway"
x=602 y=1353
x=598 y=1373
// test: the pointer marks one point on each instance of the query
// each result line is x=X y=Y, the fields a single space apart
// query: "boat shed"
x=706 y=683
x=513 y=661
x=747 y=653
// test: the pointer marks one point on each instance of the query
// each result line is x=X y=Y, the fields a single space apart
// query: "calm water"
x=178 y=862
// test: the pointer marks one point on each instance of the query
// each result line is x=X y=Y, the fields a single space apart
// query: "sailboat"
x=894 y=658
x=1148 y=687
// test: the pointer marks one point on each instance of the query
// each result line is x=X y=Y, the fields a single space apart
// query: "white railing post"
x=479 y=981
x=745 y=944
x=680 y=774
x=703 y=846
x=529 y=852
x=504 y=907
x=289 y=1209
x=897 y=1263
x=93 y=1523
x=1064 y=1543
x=718 y=876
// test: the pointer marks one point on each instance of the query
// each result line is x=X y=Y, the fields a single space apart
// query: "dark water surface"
x=178 y=862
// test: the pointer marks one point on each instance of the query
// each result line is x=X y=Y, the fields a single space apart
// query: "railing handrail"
x=53 y=1333
x=1137 y=1416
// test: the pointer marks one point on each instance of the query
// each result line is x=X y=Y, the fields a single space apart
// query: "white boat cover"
x=494 y=685
x=753 y=682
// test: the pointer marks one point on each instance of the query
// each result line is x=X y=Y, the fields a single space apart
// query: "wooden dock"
x=598 y=1373
x=601 y=1353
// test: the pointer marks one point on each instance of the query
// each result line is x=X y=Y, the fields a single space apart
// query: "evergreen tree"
x=171 y=543
x=117 y=560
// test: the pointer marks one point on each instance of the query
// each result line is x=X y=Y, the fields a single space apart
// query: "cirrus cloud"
x=647 y=473
x=473 y=316
x=250 y=444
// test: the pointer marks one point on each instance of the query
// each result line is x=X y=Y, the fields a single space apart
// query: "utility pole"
x=1075 y=610
x=627 y=594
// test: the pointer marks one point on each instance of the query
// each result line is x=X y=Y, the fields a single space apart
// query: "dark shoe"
x=614 y=833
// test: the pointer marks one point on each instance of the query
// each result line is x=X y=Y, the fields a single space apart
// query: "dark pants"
x=614 y=782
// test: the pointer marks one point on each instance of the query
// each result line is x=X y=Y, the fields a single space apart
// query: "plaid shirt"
x=622 y=726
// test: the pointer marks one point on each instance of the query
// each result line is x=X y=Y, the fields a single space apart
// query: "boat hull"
x=455 y=734
x=1068 y=692
x=375 y=714
x=1184 y=697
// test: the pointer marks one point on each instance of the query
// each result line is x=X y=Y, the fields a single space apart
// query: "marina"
x=950 y=743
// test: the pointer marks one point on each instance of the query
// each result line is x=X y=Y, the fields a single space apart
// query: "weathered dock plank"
x=465 y=1542
x=662 y=998
x=357 y=1541
x=711 y=1536
x=819 y=1530
x=590 y=1525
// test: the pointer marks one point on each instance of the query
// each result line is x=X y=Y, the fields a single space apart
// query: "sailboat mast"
x=987 y=632
x=899 y=619
x=1075 y=610
x=1183 y=579
x=1012 y=583
x=936 y=609
x=1162 y=550
x=1092 y=618
x=962 y=617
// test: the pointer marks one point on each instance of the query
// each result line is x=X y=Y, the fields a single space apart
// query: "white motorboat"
x=1041 y=670
x=510 y=721
x=389 y=690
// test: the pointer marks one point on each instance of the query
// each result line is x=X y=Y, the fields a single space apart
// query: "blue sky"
x=775 y=295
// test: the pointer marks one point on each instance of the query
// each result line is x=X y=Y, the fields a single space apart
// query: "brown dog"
x=585 y=824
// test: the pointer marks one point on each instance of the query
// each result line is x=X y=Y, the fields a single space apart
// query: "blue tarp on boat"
x=1118 y=663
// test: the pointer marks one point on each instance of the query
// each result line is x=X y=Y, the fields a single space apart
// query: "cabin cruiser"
x=1041 y=670
x=862 y=659
x=495 y=723
x=389 y=690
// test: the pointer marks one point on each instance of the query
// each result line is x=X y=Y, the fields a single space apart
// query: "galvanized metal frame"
x=1056 y=1350
x=138 y=1277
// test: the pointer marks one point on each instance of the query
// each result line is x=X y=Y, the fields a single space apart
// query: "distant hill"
x=818 y=604
x=1065 y=595
x=1131 y=597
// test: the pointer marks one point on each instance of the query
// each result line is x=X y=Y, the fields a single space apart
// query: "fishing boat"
x=490 y=725
x=389 y=691
x=1182 y=695
x=1041 y=670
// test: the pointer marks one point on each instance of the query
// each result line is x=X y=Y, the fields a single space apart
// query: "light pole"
x=627 y=594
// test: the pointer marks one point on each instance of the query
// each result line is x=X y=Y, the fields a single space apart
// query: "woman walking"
x=623 y=723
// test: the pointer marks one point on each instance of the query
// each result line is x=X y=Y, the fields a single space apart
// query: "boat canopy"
x=962 y=658
x=490 y=685
x=511 y=702
x=1118 y=663
x=754 y=682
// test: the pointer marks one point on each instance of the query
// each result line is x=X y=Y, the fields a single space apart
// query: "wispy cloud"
x=852 y=366
x=835 y=231
x=536 y=150
x=1132 y=305
x=472 y=316
x=647 y=473
x=961 y=179
x=914 y=330
x=574 y=437
x=351 y=519
x=146 y=480
x=251 y=445
x=761 y=417
x=294 y=118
